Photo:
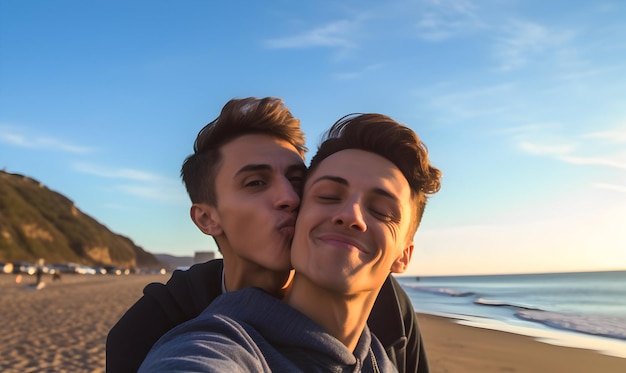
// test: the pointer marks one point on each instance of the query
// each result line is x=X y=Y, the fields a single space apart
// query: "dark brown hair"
x=398 y=143
x=239 y=117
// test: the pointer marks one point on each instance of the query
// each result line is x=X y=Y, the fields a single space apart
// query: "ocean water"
x=583 y=309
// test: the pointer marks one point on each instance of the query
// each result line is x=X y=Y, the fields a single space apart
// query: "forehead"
x=258 y=149
x=365 y=170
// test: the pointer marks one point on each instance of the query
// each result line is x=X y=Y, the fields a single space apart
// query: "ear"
x=206 y=219
x=400 y=264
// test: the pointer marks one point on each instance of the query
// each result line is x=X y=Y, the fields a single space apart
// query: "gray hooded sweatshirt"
x=252 y=331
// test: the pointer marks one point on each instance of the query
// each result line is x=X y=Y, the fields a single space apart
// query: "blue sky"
x=521 y=103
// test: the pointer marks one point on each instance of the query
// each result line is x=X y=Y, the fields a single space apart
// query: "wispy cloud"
x=142 y=184
x=613 y=187
x=338 y=34
x=570 y=151
x=41 y=142
x=160 y=192
x=357 y=73
x=442 y=20
x=476 y=102
x=516 y=130
x=594 y=161
x=614 y=136
x=520 y=41
x=113 y=173
x=551 y=149
x=476 y=94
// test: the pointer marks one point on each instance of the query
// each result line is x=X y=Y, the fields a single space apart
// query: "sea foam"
x=606 y=326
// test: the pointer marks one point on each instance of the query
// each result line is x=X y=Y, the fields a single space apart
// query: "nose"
x=287 y=198
x=350 y=215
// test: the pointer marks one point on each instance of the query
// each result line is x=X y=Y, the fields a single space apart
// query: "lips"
x=343 y=241
x=287 y=226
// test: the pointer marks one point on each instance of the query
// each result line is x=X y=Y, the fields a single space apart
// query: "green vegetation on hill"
x=36 y=222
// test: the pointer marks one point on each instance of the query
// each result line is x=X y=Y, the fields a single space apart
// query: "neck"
x=239 y=274
x=343 y=316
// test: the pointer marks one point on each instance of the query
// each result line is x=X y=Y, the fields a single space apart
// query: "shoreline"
x=454 y=347
x=544 y=334
x=63 y=327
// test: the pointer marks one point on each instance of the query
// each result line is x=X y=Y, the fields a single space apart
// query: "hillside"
x=36 y=222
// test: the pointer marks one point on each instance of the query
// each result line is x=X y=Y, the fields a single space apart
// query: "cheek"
x=311 y=216
x=307 y=212
x=306 y=221
x=392 y=232
x=386 y=239
x=383 y=232
x=241 y=218
x=301 y=230
x=299 y=249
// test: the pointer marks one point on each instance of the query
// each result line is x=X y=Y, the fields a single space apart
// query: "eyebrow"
x=342 y=181
x=253 y=167
x=266 y=167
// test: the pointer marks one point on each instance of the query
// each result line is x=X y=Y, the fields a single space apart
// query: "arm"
x=134 y=334
x=161 y=308
x=214 y=345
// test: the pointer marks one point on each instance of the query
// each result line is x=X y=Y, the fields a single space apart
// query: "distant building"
x=203 y=256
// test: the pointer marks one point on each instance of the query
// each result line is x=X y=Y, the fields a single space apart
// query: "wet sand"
x=453 y=347
x=63 y=328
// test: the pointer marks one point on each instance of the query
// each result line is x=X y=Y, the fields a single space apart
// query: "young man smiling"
x=362 y=204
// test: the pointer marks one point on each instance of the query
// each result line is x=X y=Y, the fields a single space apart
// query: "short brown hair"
x=398 y=143
x=239 y=117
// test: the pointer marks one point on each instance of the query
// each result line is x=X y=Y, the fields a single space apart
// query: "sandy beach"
x=63 y=327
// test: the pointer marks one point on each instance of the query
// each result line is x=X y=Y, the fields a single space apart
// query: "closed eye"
x=382 y=216
x=328 y=198
x=388 y=217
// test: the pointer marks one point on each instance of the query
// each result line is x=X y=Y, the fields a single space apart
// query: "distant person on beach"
x=362 y=203
x=244 y=180
x=56 y=275
x=39 y=273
